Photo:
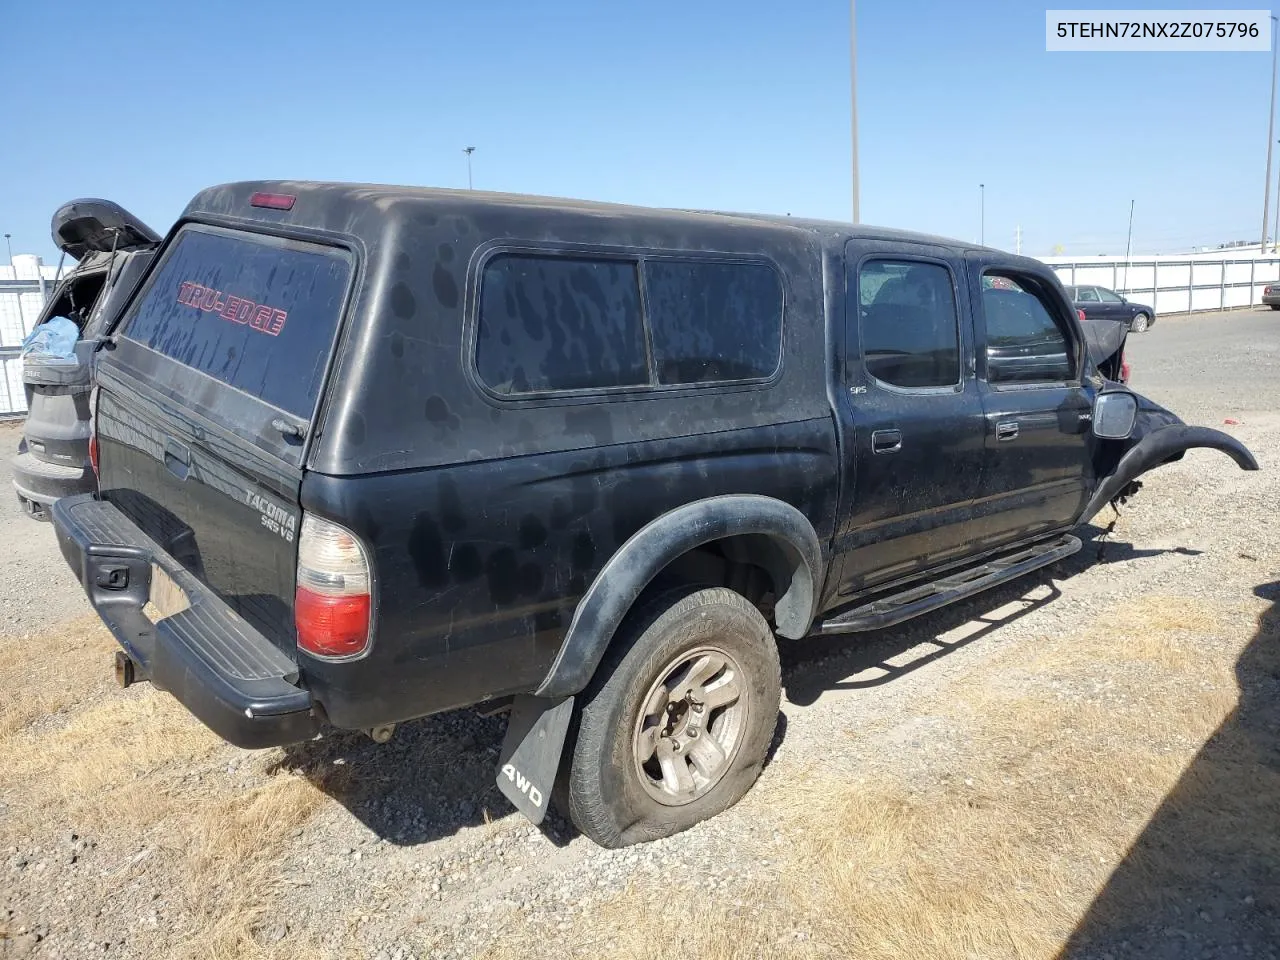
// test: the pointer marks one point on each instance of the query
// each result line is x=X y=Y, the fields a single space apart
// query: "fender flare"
x=624 y=577
x=1156 y=448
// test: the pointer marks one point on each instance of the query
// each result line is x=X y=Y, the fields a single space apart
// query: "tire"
x=704 y=643
x=1140 y=323
x=1275 y=306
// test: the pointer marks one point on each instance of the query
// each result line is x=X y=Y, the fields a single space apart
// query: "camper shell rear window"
x=258 y=313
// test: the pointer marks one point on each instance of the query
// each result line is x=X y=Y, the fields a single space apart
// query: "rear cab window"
x=910 y=324
x=255 y=313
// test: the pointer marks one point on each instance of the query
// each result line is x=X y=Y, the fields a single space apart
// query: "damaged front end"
x=1155 y=436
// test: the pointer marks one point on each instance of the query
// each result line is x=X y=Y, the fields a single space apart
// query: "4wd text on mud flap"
x=523 y=784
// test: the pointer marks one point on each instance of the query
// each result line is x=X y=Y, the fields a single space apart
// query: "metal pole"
x=10 y=246
x=470 y=150
x=1128 y=244
x=853 y=94
x=1275 y=234
x=1271 y=134
x=982 y=214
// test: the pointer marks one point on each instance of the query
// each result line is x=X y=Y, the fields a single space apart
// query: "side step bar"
x=891 y=610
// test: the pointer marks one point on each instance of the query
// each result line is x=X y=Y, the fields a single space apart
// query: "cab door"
x=1037 y=471
x=910 y=415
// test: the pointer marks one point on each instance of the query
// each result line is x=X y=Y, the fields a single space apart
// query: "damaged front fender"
x=1164 y=438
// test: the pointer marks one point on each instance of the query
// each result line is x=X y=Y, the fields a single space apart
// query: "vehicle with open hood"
x=368 y=453
x=112 y=249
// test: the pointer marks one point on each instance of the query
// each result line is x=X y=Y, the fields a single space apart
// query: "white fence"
x=24 y=285
x=1177 y=284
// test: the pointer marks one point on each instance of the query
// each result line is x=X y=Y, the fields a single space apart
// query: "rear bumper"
x=42 y=482
x=1271 y=299
x=219 y=667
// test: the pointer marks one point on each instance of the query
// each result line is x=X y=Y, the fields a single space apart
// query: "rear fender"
x=796 y=563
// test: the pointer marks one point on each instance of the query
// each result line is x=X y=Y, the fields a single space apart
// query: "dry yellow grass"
x=72 y=662
x=116 y=767
x=1003 y=848
x=996 y=849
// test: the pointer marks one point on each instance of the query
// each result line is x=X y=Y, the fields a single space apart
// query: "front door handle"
x=886 y=441
x=1007 y=430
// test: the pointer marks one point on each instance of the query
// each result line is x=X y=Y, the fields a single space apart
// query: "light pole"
x=853 y=94
x=470 y=150
x=1271 y=134
x=1127 y=245
x=982 y=214
x=10 y=246
x=1275 y=234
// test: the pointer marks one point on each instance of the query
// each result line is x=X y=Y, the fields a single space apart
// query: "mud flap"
x=1158 y=447
x=531 y=751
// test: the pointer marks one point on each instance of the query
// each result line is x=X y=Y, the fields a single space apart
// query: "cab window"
x=1025 y=342
x=910 y=327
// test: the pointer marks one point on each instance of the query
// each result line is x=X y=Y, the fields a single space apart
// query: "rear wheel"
x=1275 y=306
x=676 y=727
x=1140 y=323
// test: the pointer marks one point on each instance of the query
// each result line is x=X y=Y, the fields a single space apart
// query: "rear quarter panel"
x=487 y=519
x=479 y=567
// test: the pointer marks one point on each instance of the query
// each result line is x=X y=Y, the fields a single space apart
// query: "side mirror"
x=1114 y=415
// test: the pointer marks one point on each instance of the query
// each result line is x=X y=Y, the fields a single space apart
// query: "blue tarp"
x=55 y=338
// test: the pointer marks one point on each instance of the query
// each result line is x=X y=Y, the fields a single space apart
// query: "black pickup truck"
x=367 y=453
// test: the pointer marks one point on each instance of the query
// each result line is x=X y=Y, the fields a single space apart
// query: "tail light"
x=1080 y=314
x=93 y=431
x=331 y=607
x=1125 y=369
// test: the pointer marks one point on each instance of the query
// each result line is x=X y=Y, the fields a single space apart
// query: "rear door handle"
x=886 y=441
x=1007 y=430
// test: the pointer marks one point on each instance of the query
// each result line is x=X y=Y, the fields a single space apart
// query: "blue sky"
x=734 y=105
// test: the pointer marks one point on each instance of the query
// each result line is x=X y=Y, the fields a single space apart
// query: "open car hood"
x=1105 y=342
x=87 y=225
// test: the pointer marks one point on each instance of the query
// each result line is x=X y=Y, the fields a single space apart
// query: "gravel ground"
x=413 y=853
x=29 y=560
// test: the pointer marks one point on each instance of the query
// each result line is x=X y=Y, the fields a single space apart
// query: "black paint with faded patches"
x=403 y=302
x=479 y=567
x=445 y=287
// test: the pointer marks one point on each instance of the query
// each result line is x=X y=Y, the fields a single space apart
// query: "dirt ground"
x=1084 y=764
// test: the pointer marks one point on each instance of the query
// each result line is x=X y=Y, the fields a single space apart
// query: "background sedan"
x=1103 y=304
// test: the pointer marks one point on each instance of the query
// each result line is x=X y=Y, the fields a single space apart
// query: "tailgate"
x=207 y=395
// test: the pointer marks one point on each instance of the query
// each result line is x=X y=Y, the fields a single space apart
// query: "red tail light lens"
x=332 y=605
x=93 y=453
x=273 y=201
x=1125 y=370
x=331 y=626
x=1080 y=314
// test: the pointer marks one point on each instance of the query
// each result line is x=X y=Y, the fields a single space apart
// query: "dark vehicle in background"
x=1103 y=304
x=1271 y=295
x=370 y=453
x=113 y=249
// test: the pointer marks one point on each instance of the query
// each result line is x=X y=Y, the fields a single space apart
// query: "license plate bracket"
x=167 y=598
